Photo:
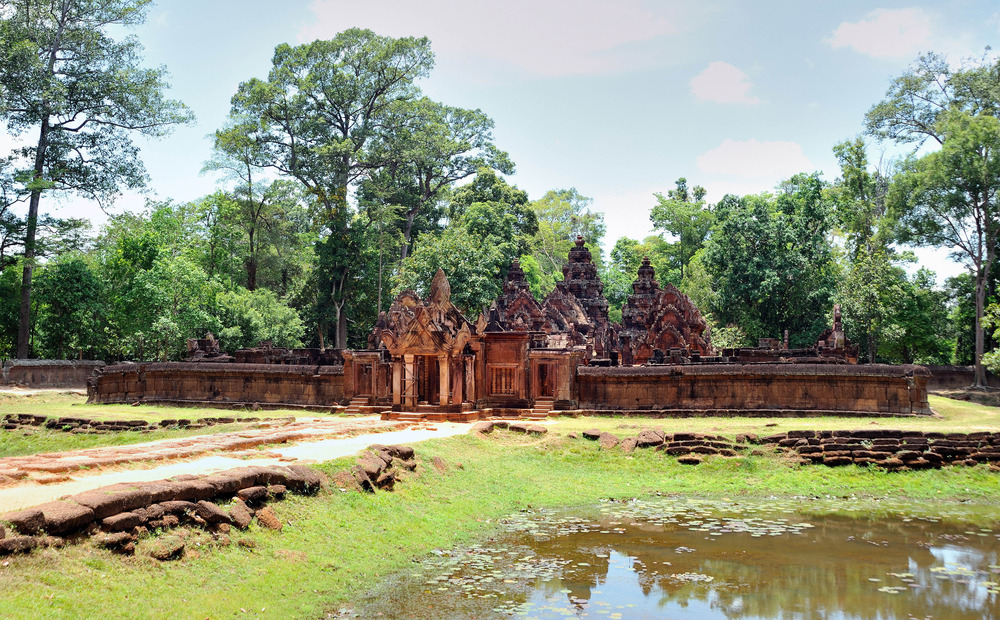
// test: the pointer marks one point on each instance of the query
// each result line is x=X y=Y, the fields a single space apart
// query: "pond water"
x=675 y=558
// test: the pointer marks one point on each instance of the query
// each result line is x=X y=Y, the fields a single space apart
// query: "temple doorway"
x=428 y=380
x=545 y=381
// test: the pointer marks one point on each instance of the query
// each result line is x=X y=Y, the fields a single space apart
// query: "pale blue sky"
x=617 y=98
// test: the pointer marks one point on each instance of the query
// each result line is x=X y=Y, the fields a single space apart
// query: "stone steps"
x=543 y=407
x=354 y=407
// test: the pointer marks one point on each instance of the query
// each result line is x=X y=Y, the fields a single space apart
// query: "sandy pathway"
x=309 y=449
x=268 y=433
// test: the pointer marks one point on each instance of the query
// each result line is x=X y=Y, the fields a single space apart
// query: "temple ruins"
x=524 y=358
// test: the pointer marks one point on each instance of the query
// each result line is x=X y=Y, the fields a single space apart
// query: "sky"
x=617 y=98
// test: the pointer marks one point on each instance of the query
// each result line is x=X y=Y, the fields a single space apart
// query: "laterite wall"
x=236 y=384
x=838 y=389
x=49 y=373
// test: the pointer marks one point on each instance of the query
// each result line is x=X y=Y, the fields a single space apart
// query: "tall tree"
x=861 y=197
x=563 y=214
x=80 y=93
x=432 y=147
x=685 y=217
x=948 y=198
x=771 y=260
x=319 y=112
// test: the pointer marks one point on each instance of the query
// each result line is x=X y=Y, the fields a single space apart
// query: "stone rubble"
x=123 y=512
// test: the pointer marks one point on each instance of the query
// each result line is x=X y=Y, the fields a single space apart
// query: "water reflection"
x=682 y=559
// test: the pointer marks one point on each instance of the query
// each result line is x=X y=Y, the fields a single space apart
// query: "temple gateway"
x=522 y=358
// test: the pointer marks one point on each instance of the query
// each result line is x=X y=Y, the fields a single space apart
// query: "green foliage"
x=684 y=216
x=860 y=194
x=472 y=264
x=562 y=215
x=250 y=317
x=772 y=262
x=948 y=197
x=923 y=333
x=70 y=300
x=868 y=295
x=10 y=299
x=317 y=119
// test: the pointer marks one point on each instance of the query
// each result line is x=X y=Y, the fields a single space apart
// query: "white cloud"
x=755 y=160
x=723 y=83
x=560 y=37
x=887 y=33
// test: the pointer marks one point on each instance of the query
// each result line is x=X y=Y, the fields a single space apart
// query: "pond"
x=683 y=558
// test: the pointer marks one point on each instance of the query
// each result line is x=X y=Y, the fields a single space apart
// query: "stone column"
x=444 y=389
x=409 y=381
x=470 y=379
x=456 y=381
x=397 y=381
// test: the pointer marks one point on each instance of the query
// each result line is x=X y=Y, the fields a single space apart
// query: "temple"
x=525 y=358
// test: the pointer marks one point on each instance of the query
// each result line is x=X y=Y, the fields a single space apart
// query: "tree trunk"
x=410 y=216
x=251 y=264
x=980 y=370
x=24 y=322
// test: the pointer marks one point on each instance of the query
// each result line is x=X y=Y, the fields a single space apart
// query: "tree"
x=249 y=317
x=562 y=215
x=948 y=198
x=771 y=261
x=869 y=295
x=432 y=147
x=81 y=93
x=473 y=266
x=684 y=215
x=861 y=197
x=72 y=309
x=321 y=109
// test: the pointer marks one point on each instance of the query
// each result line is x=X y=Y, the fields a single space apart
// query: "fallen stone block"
x=628 y=444
x=689 y=460
x=253 y=495
x=109 y=501
x=608 y=441
x=167 y=550
x=211 y=513
x=240 y=515
x=592 y=434
x=122 y=522
x=28 y=522
x=485 y=426
x=115 y=541
x=303 y=479
x=649 y=438
x=267 y=518
x=63 y=517
x=17 y=544
x=178 y=507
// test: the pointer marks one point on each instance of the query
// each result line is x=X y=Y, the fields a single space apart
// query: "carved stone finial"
x=579 y=241
x=440 y=289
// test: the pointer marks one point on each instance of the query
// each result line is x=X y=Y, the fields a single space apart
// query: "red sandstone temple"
x=524 y=358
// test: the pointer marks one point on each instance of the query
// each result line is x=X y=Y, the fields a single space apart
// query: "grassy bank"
x=71 y=404
x=338 y=544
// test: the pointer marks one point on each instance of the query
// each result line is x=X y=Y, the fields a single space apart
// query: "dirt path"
x=309 y=434
x=277 y=432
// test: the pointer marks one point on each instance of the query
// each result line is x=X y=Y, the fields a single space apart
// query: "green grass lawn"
x=336 y=545
x=70 y=404
x=953 y=416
